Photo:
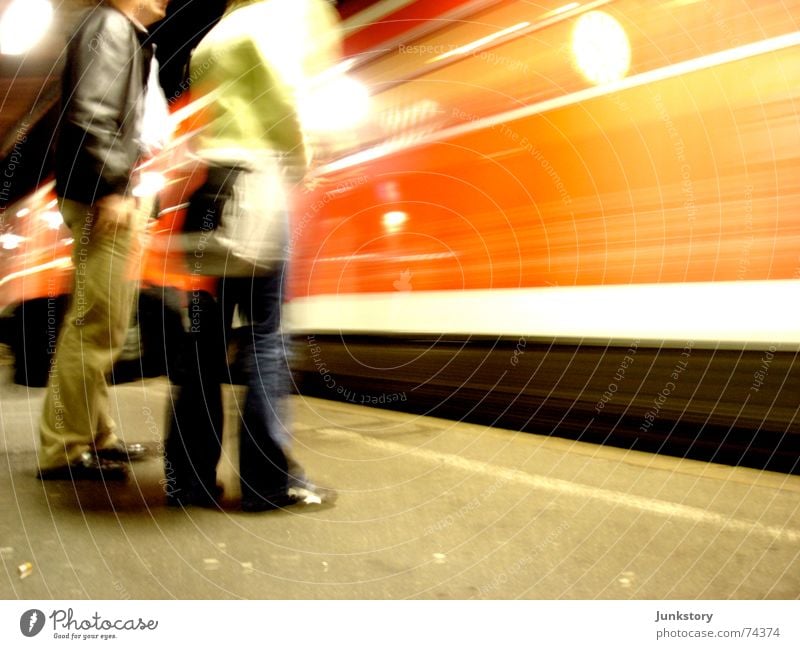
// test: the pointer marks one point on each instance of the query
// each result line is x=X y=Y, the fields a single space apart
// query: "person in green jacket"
x=248 y=78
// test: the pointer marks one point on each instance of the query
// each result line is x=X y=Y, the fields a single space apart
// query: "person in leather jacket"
x=104 y=84
x=108 y=60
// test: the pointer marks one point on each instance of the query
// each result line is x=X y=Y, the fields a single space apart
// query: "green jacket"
x=251 y=72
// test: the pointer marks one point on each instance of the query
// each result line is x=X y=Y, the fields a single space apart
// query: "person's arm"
x=100 y=69
x=275 y=105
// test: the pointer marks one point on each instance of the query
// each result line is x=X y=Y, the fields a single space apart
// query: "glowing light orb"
x=393 y=221
x=23 y=24
x=601 y=48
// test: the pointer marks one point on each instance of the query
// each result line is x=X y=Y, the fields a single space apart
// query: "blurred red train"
x=577 y=219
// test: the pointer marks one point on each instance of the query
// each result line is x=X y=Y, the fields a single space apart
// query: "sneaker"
x=307 y=496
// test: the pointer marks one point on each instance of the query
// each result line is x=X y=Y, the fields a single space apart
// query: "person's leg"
x=194 y=438
x=76 y=402
x=263 y=437
x=105 y=437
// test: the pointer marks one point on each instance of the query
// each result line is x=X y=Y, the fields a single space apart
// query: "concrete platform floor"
x=427 y=509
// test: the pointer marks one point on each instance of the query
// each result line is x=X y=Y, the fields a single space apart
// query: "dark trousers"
x=194 y=440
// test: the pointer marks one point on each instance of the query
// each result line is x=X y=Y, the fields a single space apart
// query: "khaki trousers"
x=76 y=415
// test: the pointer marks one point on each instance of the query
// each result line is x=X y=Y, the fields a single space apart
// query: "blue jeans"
x=194 y=441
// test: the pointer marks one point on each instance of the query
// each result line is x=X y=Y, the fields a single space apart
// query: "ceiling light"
x=23 y=24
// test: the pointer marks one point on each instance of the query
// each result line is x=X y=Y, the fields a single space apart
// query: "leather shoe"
x=87 y=467
x=121 y=452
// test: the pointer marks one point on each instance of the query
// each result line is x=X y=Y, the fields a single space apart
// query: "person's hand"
x=114 y=211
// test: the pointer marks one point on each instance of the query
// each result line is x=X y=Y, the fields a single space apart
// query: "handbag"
x=236 y=223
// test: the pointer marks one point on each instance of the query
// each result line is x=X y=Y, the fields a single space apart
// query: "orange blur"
x=506 y=167
x=677 y=176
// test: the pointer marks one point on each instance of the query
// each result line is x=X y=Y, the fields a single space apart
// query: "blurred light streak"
x=10 y=241
x=407 y=117
x=336 y=104
x=373 y=14
x=53 y=219
x=474 y=45
x=58 y=264
x=150 y=183
x=561 y=10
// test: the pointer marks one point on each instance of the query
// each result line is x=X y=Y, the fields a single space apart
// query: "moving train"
x=575 y=219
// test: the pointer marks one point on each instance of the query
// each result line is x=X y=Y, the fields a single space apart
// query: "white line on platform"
x=555 y=485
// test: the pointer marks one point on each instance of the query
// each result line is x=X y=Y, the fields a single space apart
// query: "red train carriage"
x=577 y=219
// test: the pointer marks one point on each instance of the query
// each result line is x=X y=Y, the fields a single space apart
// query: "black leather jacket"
x=105 y=74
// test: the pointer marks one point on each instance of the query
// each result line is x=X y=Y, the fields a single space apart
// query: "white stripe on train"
x=706 y=313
